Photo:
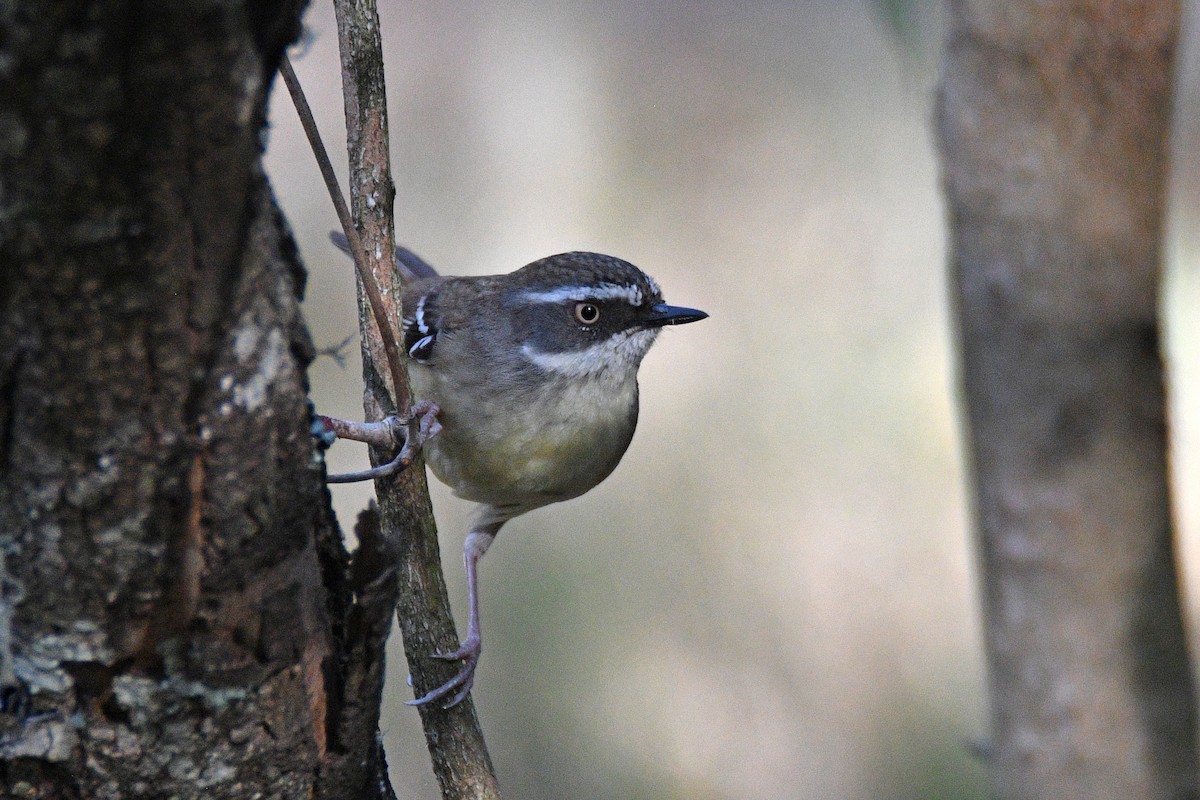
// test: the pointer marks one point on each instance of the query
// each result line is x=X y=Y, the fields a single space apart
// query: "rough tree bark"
x=177 y=616
x=1054 y=121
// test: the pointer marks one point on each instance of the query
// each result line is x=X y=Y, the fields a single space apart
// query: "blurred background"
x=774 y=595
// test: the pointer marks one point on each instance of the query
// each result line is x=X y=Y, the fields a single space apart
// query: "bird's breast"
x=525 y=449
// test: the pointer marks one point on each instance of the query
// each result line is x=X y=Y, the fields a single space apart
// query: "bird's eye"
x=587 y=313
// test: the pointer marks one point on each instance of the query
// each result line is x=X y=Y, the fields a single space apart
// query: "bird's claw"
x=423 y=423
x=419 y=426
x=468 y=653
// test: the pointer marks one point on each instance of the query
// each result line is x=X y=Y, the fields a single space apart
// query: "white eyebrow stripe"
x=601 y=291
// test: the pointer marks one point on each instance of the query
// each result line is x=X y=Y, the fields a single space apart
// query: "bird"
x=534 y=374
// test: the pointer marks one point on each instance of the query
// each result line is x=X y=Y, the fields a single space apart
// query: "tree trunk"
x=176 y=615
x=1054 y=121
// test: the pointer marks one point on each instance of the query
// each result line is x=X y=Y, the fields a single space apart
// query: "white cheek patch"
x=618 y=353
x=602 y=291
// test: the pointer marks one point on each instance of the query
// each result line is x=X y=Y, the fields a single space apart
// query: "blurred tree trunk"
x=176 y=614
x=1054 y=121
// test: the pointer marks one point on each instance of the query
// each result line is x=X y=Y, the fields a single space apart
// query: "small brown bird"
x=535 y=376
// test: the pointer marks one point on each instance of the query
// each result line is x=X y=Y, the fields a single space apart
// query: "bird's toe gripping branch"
x=460 y=685
x=404 y=436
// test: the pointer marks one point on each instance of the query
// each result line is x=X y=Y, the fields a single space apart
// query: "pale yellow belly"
x=528 y=457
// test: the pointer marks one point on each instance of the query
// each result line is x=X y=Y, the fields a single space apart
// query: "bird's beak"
x=661 y=315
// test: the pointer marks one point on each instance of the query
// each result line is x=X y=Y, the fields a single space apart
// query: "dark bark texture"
x=1054 y=120
x=175 y=604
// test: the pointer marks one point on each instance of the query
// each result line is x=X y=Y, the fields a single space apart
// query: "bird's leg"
x=468 y=652
x=407 y=436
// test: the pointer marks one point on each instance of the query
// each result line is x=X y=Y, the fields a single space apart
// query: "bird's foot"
x=407 y=436
x=468 y=653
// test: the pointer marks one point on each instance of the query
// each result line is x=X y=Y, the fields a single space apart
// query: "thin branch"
x=457 y=750
x=337 y=351
x=361 y=259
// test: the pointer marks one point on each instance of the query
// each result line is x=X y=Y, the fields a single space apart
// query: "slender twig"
x=457 y=749
x=337 y=351
x=382 y=434
x=387 y=335
x=376 y=586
